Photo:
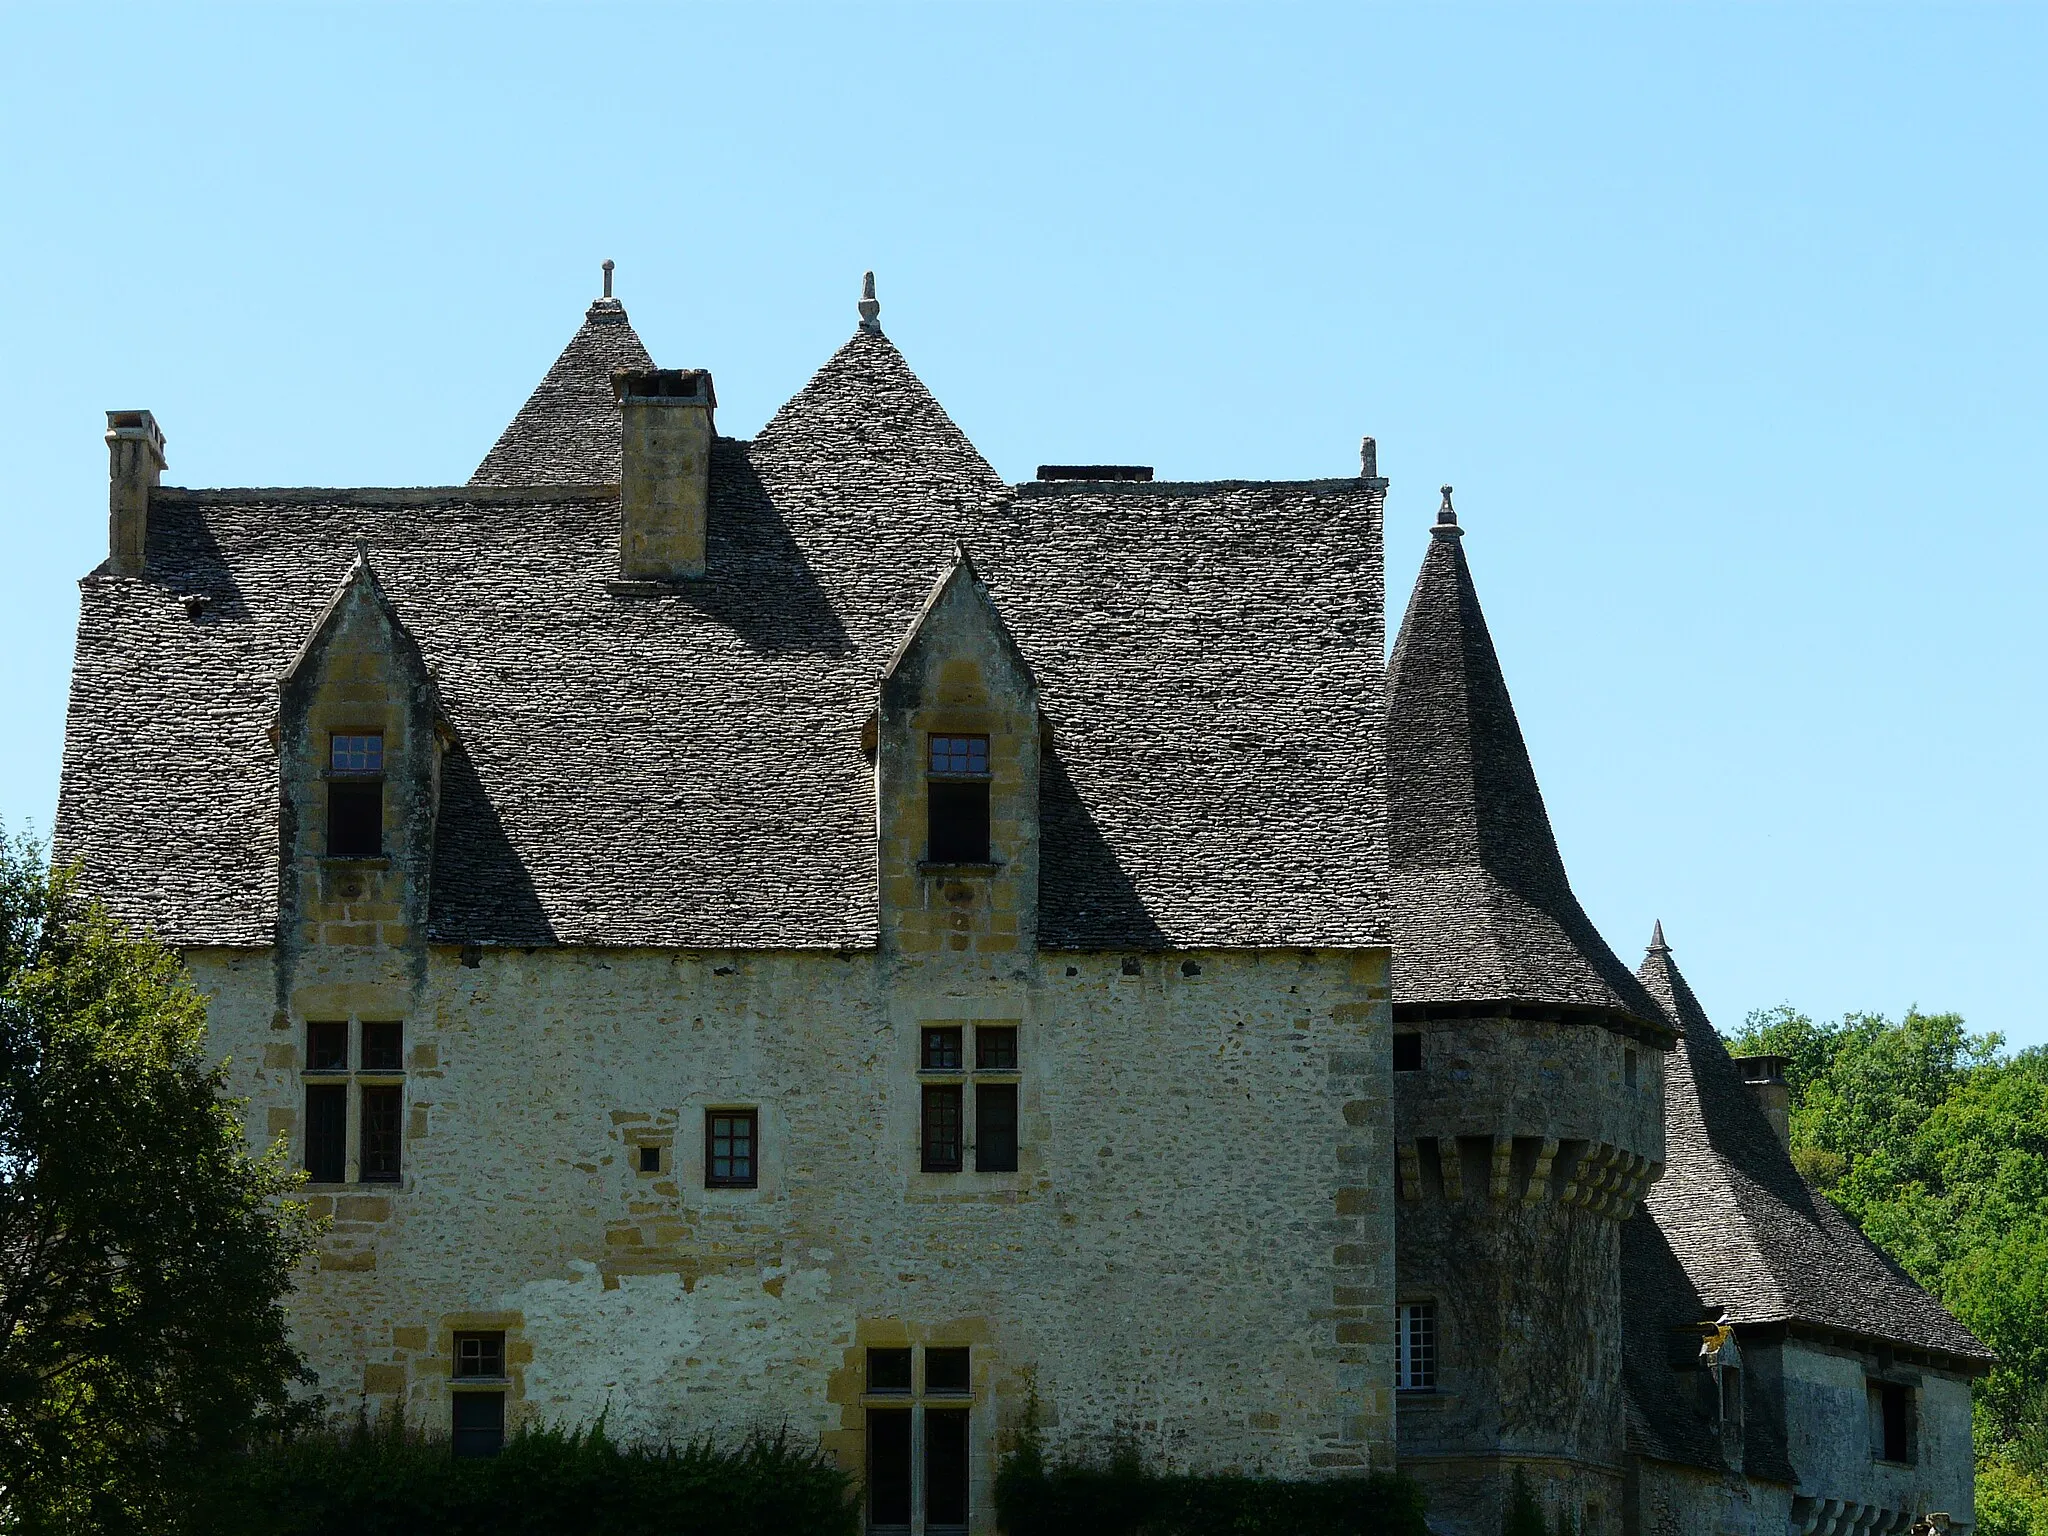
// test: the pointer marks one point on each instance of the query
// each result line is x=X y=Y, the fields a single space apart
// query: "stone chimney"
x=135 y=467
x=1764 y=1076
x=664 y=472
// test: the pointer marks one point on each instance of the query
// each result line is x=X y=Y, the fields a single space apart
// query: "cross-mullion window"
x=919 y=1439
x=952 y=1090
x=375 y=1091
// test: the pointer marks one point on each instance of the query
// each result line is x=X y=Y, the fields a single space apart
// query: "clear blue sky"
x=1726 y=322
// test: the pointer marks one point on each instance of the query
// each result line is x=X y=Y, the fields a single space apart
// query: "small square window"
x=730 y=1137
x=355 y=819
x=327 y=1045
x=356 y=754
x=941 y=1128
x=1407 y=1053
x=942 y=1051
x=480 y=1354
x=966 y=755
x=945 y=1372
x=1415 y=1346
x=383 y=1046
x=650 y=1159
x=889 y=1371
x=995 y=1047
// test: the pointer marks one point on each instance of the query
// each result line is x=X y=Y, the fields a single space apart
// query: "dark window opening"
x=730 y=1137
x=327 y=1045
x=942 y=1128
x=327 y=1133
x=962 y=755
x=889 y=1370
x=995 y=1047
x=995 y=1127
x=650 y=1159
x=383 y=1046
x=356 y=754
x=958 y=829
x=1891 y=1421
x=479 y=1423
x=480 y=1354
x=355 y=820
x=945 y=1470
x=889 y=1468
x=945 y=1372
x=1407 y=1053
x=1628 y=1067
x=382 y=1111
x=942 y=1050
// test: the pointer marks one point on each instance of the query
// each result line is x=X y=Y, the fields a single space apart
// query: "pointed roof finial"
x=1447 y=520
x=1657 y=944
x=607 y=277
x=870 y=307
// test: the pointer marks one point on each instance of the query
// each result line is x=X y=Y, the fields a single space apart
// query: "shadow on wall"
x=1086 y=899
x=482 y=892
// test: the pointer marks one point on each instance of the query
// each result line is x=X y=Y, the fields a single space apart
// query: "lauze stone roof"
x=688 y=769
x=1483 y=912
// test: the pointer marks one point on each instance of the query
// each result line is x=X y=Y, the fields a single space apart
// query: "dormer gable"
x=359 y=734
x=957 y=759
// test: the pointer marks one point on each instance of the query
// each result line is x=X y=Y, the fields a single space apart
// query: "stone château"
x=802 y=930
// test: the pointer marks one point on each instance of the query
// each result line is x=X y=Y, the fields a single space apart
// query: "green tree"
x=1936 y=1145
x=144 y=1254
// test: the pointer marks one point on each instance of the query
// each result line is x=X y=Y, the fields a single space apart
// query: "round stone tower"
x=1528 y=1098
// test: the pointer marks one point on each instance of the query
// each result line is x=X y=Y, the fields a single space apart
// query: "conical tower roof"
x=1483 y=912
x=567 y=433
x=1755 y=1240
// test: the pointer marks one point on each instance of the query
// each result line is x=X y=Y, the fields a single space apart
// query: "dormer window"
x=355 y=796
x=957 y=797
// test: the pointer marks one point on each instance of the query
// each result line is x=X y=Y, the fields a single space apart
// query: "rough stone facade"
x=1111 y=964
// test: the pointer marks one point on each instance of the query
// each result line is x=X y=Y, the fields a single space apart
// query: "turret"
x=1528 y=1096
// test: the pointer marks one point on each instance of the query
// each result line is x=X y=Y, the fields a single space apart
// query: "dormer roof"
x=567 y=433
x=1482 y=910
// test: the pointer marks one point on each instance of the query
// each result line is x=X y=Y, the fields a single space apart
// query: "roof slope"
x=1754 y=1238
x=567 y=433
x=1483 y=911
x=688 y=769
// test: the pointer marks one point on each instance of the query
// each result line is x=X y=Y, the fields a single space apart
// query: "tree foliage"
x=144 y=1254
x=1935 y=1142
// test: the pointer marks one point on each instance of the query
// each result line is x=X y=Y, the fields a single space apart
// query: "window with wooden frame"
x=354 y=1126
x=919 y=1435
x=957 y=800
x=478 y=1393
x=963 y=1106
x=732 y=1148
x=355 y=796
x=1415 y=1346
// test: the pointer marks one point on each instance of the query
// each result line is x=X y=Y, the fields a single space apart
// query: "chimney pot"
x=135 y=467
x=665 y=421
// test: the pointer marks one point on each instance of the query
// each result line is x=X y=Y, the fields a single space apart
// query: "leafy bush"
x=389 y=1479
x=1125 y=1498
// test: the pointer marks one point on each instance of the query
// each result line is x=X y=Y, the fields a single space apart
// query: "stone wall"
x=1828 y=1437
x=1196 y=1250
x=1522 y=1145
x=1666 y=1499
